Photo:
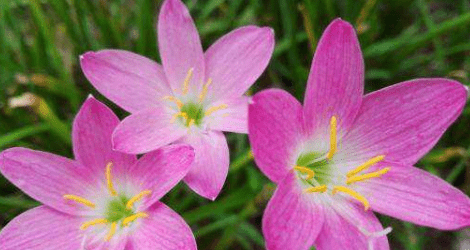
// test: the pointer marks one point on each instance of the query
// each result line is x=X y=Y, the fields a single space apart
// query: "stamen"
x=332 y=138
x=375 y=174
x=204 y=90
x=79 y=200
x=133 y=217
x=111 y=232
x=191 y=122
x=175 y=100
x=320 y=189
x=175 y=116
x=109 y=180
x=352 y=193
x=305 y=170
x=214 y=109
x=137 y=198
x=186 y=81
x=87 y=224
x=365 y=165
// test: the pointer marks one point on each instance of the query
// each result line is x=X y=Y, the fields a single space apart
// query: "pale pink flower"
x=101 y=200
x=343 y=155
x=191 y=98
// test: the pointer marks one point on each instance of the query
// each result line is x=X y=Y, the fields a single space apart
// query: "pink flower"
x=101 y=200
x=191 y=98
x=344 y=155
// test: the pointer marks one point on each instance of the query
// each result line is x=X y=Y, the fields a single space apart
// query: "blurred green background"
x=42 y=87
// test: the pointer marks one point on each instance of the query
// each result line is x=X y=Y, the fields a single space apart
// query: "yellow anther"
x=175 y=116
x=87 y=224
x=79 y=200
x=365 y=165
x=109 y=180
x=205 y=88
x=306 y=171
x=111 y=232
x=320 y=189
x=375 y=174
x=133 y=217
x=332 y=138
x=186 y=81
x=214 y=109
x=175 y=100
x=137 y=198
x=353 y=194
x=191 y=122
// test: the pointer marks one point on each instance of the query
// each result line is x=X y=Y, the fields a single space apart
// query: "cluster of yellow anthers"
x=128 y=206
x=189 y=118
x=351 y=177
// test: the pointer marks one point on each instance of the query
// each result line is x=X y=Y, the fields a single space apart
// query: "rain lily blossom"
x=192 y=97
x=101 y=200
x=343 y=155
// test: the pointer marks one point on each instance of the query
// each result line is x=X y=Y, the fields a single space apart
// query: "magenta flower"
x=344 y=155
x=191 y=98
x=101 y=200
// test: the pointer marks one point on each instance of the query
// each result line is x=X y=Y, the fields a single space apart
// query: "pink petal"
x=414 y=195
x=209 y=171
x=47 y=177
x=236 y=60
x=42 y=228
x=336 y=81
x=163 y=229
x=292 y=219
x=404 y=121
x=91 y=134
x=274 y=130
x=131 y=81
x=146 y=130
x=160 y=170
x=348 y=226
x=232 y=119
x=180 y=46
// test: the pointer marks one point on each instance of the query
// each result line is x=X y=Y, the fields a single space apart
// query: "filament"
x=365 y=165
x=367 y=176
x=332 y=151
x=214 y=109
x=109 y=180
x=133 y=217
x=353 y=194
x=137 y=198
x=79 y=200
x=87 y=224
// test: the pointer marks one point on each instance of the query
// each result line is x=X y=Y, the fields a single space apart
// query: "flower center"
x=192 y=112
x=119 y=211
x=314 y=169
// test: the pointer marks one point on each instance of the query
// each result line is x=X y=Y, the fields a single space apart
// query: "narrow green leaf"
x=22 y=133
